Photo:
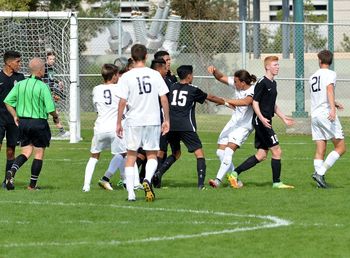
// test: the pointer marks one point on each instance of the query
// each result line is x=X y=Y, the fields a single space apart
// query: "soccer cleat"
x=86 y=188
x=9 y=181
x=157 y=180
x=105 y=185
x=280 y=185
x=319 y=180
x=3 y=185
x=233 y=179
x=202 y=188
x=149 y=194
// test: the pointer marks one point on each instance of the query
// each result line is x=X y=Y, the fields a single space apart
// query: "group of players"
x=148 y=109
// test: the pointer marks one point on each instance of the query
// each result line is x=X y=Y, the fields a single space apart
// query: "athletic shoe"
x=202 y=188
x=319 y=180
x=149 y=194
x=121 y=184
x=214 y=183
x=105 y=185
x=280 y=185
x=157 y=180
x=35 y=188
x=9 y=181
x=63 y=135
x=131 y=196
x=86 y=188
x=138 y=187
x=3 y=185
x=233 y=179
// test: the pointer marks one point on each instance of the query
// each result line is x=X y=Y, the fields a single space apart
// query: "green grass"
x=62 y=221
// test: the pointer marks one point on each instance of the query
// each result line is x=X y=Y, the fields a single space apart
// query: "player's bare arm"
x=215 y=99
x=121 y=107
x=217 y=74
x=287 y=120
x=240 y=102
x=55 y=117
x=166 y=121
x=257 y=111
x=331 y=101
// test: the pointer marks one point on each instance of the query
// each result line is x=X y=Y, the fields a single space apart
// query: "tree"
x=346 y=43
x=18 y=5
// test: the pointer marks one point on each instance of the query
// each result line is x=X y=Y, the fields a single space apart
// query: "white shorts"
x=233 y=133
x=323 y=129
x=108 y=140
x=146 y=137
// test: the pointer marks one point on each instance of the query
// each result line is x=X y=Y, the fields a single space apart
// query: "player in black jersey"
x=183 y=97
x=264 y=105
x=9 y=76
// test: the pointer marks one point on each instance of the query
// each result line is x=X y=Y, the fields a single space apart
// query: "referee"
x=29 y=103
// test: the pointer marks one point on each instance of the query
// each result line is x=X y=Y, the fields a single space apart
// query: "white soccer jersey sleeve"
x=141 y=87
x=318 y=90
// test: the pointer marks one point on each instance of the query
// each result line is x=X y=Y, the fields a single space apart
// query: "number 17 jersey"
x=318 y=90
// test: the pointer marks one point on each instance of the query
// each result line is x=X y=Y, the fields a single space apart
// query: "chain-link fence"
x=227 y=45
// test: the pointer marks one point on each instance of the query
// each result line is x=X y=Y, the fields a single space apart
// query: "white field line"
x=268 y=222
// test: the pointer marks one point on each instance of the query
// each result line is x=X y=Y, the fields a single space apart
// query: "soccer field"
x=255 y=221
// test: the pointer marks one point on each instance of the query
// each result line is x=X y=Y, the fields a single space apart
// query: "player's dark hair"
x=108 y=71
x=138 y=52
x=160 y=54
x=184 y=70
x=11 y=54
x=50 y=53
x=325 y=56
x=245 y=76
x=156 y=63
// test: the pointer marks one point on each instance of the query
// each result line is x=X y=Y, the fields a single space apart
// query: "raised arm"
x=217 y=74
x=240 y=102
x=216 y=99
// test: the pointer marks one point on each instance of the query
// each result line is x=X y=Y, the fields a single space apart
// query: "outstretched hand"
x=288 y=121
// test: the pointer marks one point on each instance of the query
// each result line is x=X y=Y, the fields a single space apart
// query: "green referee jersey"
x=31 y=98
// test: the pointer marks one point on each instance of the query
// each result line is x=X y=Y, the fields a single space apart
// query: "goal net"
x=33 y=34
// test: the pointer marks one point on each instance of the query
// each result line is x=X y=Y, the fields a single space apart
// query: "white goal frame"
x=74 y=99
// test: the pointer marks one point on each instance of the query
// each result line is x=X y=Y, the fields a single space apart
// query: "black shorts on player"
x=34 y=131
x=190 y=139
x=10 y=130
x=265 y=137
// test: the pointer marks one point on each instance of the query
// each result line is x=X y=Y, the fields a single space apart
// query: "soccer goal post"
x=33 y=34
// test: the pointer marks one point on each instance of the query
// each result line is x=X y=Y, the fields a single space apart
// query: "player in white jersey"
x=141 y=88
x=240 y=126
x=106 y=105
x=325 y=124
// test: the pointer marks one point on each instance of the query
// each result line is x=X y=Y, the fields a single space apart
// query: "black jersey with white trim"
x=6 y=85
x=265 y=93
x=182 y=105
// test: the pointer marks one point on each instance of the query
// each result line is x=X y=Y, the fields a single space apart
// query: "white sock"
x=89 y=170
x=122 y=171
x=129 y=180
x=220 y=153
x=226 y=163
x=151 y=167
x=116 y=162
x=332 y=157
x=136 y=175
x=317 y=163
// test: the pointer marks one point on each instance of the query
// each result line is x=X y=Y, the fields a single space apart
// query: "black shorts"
x=34 y=131
x=190 y=139
x=163 y=143
x=265 y=138
x=11 y=131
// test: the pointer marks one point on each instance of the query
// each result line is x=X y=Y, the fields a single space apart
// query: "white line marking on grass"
x=268 y=222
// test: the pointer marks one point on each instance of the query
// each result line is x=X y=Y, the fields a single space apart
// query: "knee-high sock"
x=276 y=170
x=317 y=164
x=116 y=162
x=247 y=164
x=220 y=153
x=136 y=175
x=225 y=163
x=37 y=164
x=129 y=179
x=19 y=161
x=201 y=171
x=332 y=157
x=89 y=170
x=151 y=167
x=167 y=164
